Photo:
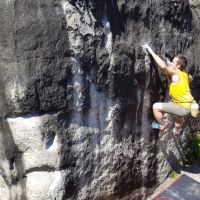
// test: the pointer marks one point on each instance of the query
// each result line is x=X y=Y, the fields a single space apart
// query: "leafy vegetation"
x=173 y=175
x=196 y=1
x=193 y=153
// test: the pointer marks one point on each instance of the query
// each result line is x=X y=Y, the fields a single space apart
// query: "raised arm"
x=167 y=70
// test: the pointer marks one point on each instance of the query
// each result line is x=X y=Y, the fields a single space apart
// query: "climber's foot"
x=156 y=125
x=176 y=131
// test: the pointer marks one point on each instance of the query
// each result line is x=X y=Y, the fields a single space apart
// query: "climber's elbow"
x=190 y=78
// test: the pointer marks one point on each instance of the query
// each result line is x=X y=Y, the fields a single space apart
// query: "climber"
x=178 y=89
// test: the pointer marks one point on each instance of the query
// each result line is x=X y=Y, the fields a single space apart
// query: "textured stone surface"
x=76 y=96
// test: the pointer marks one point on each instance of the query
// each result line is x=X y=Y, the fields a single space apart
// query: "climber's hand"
x=148 y=48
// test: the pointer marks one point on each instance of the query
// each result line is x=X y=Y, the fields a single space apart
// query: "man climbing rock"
x=178 y=88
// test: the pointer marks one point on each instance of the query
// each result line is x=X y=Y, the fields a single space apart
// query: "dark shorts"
x=174 y=109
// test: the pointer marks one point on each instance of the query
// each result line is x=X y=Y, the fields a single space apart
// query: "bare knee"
x=157 y=106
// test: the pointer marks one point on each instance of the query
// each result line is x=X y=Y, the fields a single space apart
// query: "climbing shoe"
x=155 y=125
x=175 y=131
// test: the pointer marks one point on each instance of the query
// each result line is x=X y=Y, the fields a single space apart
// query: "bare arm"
x=167 y=70
x=190 y=78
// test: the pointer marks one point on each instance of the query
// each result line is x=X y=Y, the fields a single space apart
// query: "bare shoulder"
x=169 y=71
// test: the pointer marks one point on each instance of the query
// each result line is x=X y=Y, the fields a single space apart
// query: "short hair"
x=182 y=61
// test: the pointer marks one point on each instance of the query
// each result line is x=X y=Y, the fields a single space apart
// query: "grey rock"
x=76 y=96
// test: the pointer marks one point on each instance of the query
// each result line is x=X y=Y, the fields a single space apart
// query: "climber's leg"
x=170 y=108
x=174 y=109
x=178 y=111
x=179 y=123
x=158 y=114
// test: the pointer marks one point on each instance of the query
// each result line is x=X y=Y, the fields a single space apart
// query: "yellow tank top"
x=180 y=92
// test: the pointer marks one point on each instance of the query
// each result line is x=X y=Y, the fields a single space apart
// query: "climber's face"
x=175 y=64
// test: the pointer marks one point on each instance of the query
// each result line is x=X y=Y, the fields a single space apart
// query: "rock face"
x=76 y=96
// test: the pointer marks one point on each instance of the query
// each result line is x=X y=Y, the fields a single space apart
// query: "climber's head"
x=179 y=62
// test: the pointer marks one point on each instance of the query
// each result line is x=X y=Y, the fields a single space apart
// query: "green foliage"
x=193 y=153
x=173 y=175
x=196 y=1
